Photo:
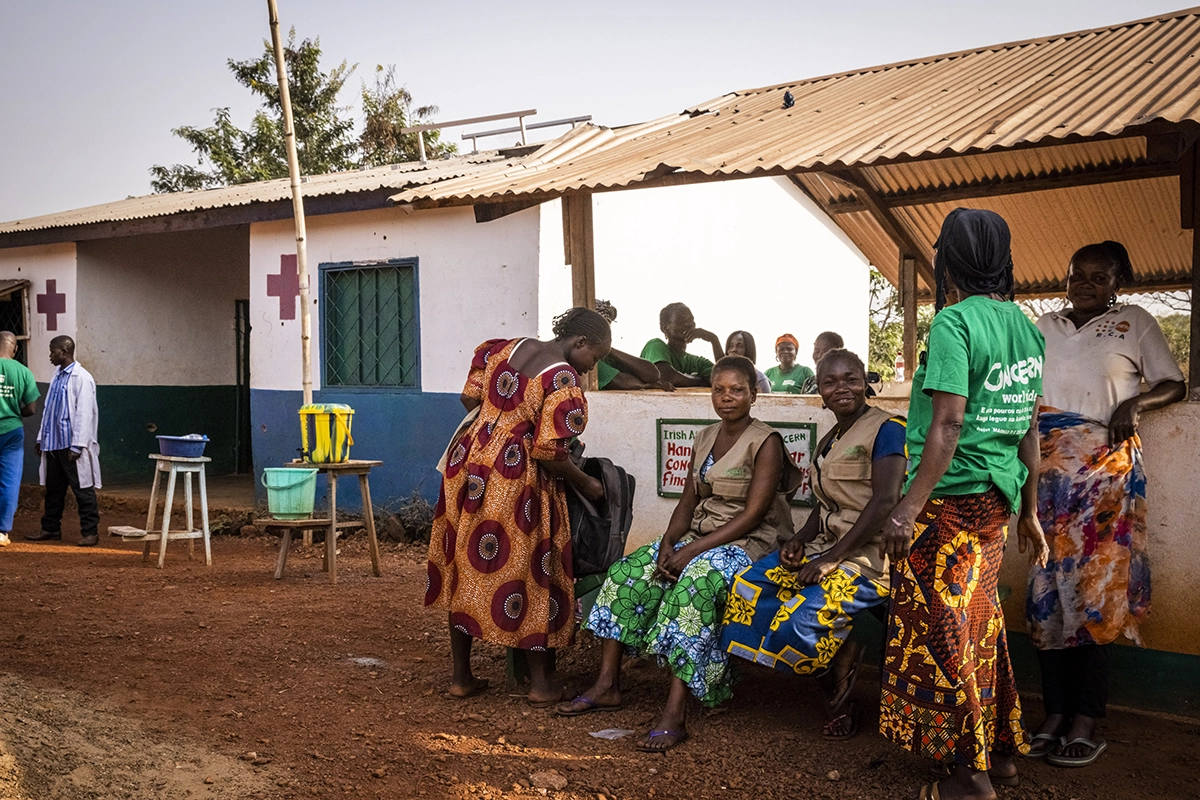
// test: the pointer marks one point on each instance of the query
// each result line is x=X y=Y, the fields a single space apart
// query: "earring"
x=1112 y=301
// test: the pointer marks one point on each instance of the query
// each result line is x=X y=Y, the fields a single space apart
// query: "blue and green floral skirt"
x=678 y=624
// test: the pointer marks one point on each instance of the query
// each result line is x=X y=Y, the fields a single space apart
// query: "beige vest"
x=841 y=481
x=727 y=484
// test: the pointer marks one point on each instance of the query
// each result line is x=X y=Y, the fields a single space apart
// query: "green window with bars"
x=369 y=324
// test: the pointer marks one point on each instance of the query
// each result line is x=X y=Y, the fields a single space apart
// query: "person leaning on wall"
x=674 y=362
x=741 y=343
x=622 y=371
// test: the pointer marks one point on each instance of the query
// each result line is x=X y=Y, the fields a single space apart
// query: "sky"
x=91 y=91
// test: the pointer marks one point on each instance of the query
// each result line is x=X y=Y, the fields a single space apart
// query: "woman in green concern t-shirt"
x=788 y=377
x=948 y=690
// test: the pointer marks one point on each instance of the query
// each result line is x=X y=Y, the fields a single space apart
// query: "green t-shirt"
x=790 y=382
x=657 y=351
x=605 y=372
x=17 y=388
x=990 y=353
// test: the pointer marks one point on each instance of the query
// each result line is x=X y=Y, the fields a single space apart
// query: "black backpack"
x=599 y=530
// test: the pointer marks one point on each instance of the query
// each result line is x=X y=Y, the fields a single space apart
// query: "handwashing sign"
x=675 y=437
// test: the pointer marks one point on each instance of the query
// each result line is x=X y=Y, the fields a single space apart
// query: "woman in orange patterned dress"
x=500 y=550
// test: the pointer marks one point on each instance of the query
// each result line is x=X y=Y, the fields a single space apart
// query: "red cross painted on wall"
x=285 y=286
x=52 y=303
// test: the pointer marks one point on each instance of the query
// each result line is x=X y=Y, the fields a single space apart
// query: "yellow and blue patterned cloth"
x=773 y=620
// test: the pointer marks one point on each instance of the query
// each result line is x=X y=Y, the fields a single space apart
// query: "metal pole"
x=521 y=122
x=421 y=146
x=289 y=138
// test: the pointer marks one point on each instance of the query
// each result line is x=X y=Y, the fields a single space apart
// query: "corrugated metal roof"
x=946 y=121
x=395 y=177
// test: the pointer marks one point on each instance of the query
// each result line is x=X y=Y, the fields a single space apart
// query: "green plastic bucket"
x=290 y=492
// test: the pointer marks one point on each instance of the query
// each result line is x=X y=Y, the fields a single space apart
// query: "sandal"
x=943 y=771
x=1037 y=752
x=679 y=738
x=1059 y=760
x=929 y=791
x=834 y=731
x=589 y=705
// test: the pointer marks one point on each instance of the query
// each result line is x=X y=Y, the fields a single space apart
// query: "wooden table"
x=360 y=468
x=173 y=465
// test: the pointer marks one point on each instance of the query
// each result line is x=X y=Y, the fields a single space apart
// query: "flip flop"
x=589 y=706
x=850 y=678
x=562 y=696
x=1042 y=737
x=929 y=791
x=850 y=714
x=1059 y=760
x=480 y=687
x=680 y=738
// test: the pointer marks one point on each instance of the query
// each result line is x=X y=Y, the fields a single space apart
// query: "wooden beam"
x=892 y=227
x=1189 y=206
x=1008 y=186
x=908 y=303
x=577 y=219
x=487 y=212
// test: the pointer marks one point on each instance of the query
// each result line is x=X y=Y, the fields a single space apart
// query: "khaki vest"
x=841 y=482
x=723 y=493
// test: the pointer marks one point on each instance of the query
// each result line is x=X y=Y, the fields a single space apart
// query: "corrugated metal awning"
x=8 y=287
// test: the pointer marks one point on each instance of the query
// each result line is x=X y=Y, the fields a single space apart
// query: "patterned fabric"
x=56 y=418
x=774 y=621
x=500 y=549
x=678 y=624
x=948 y=690
x=1092 y=505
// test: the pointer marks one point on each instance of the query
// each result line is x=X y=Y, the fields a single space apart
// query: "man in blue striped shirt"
x=68 y=447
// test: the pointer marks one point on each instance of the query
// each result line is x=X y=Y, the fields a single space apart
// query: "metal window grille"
x=370 y=325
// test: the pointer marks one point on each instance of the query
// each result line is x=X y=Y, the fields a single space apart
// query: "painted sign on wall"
x=675 y=437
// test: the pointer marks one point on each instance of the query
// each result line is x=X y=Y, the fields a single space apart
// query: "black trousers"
x=62 y=472
x=1075 y=680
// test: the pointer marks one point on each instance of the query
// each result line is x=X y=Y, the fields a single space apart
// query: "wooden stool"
x=360 y=468
x=174 y=465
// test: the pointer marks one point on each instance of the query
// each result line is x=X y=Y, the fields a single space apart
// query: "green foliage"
x=886 y=327
x=325 y=131
x=1178 y=330
x=387 y=109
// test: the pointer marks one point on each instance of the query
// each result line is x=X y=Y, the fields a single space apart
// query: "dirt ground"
x=118 y=680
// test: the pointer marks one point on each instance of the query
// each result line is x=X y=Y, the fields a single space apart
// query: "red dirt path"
x=121 y=680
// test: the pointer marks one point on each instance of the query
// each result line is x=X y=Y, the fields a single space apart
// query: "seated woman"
x=620 y=370
x=793 y=609
x=671 y=357
x=788 y=377
x=667 y=599
x=741 y=343
x=825 y=341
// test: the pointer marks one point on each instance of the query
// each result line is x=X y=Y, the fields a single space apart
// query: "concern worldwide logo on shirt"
x=1001 y=377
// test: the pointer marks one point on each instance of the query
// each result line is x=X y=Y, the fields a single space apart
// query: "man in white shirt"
x=67 y=443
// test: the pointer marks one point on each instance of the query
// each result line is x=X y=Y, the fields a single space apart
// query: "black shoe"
x=44 y=536
x=89 y=541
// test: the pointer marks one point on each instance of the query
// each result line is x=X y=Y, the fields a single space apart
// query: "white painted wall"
x=621 y=426
x=158 y=309
x=37 y=265
x=754 y=255
x=477 y=281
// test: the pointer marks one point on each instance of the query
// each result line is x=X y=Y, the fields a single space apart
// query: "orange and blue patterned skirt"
x=948 y=688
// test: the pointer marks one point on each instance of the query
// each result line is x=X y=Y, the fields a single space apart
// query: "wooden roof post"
x=908 y=303
x=1189 y=211
x=581 y=255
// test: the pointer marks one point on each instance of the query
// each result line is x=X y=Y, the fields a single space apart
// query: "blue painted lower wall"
x=406 y=431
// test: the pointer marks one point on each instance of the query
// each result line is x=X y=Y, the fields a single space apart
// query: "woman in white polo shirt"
x=1092 y=494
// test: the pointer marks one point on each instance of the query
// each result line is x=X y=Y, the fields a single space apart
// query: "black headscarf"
x=974 y=249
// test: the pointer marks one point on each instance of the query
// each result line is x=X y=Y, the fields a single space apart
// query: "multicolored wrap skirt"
x=1092 y=505
x=948 y=689
x=773 y=620
x=678 y=624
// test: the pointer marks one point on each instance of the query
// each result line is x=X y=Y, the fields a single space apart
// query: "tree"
x=1178 y=330
x=387 y=109
x=886 y=327
x=228 y=155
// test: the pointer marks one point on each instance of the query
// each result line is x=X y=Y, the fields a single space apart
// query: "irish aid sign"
x=675 y=438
